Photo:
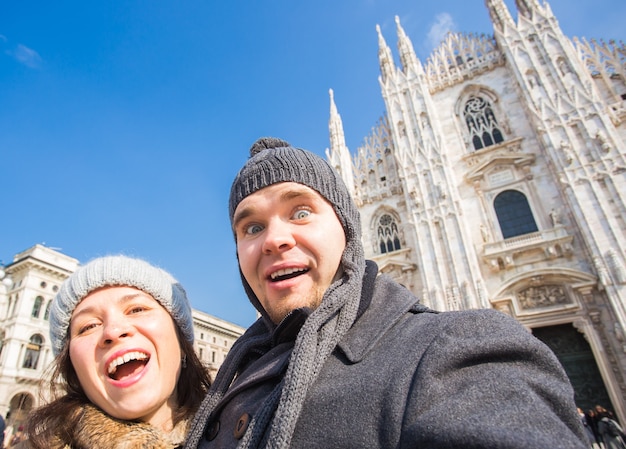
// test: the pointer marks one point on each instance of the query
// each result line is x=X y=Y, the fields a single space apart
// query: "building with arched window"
x=497 y=179
x=35 y=276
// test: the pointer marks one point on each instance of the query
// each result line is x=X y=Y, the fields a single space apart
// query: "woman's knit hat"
x=273 y=161
x=118 y=271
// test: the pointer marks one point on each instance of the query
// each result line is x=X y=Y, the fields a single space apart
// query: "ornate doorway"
x=575 y=354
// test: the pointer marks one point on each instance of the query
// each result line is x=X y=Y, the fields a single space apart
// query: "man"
x=344 y=357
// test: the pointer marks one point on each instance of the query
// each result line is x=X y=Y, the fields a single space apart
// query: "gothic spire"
x=384 y=56
x=335 y=126
x=499 y=13
x=338 y=154
x=405 y=47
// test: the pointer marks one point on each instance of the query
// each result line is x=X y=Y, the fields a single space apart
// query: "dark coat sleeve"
x=485 y=382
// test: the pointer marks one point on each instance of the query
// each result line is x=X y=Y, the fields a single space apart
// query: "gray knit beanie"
x=118 y=271
x=273 y=161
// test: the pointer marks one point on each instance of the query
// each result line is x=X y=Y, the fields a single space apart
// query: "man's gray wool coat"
x=408 y=377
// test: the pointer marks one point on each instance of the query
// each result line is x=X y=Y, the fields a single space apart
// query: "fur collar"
x=98 y=430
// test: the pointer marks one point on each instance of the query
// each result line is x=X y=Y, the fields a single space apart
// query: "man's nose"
x=278 y=237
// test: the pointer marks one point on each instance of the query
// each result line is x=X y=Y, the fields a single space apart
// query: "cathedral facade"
x=497 y=179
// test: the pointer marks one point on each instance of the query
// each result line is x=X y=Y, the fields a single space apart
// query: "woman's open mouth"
x=127 y=364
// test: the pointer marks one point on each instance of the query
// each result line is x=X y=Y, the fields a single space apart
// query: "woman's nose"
x=115 y=330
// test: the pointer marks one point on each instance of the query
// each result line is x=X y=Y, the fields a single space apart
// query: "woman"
x=122 y=333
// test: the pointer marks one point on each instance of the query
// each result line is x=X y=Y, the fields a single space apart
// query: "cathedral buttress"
x=428 y=182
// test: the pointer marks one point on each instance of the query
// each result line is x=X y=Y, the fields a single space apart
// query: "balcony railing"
x=555 y=242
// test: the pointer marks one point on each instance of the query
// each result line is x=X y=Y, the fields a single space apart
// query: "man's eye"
x=301 y=214
x=254 y=229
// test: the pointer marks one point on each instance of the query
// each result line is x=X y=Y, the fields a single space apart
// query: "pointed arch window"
x=33 y=350
x=46 y=314
x=481 y=123
x=514 y=214
x=37 y=307
x=387 y=234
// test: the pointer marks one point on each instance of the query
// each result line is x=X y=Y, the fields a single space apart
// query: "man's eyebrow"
x=242 y=215
x=297 y=193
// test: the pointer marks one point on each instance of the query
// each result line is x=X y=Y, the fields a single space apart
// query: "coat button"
x=242 y=426
x=212 y=431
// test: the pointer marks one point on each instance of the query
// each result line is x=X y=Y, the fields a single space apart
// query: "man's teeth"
x=136 y=355
x=286 y=272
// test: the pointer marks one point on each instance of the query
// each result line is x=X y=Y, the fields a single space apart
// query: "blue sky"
x=122 y=124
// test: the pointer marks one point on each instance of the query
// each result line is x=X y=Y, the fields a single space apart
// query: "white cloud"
x=21 y=53
x=27 y=56
x=443 y=25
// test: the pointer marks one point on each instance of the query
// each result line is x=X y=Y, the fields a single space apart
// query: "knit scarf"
x=274 y=424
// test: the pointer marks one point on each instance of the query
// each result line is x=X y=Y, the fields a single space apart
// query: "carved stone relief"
x=542 y=296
